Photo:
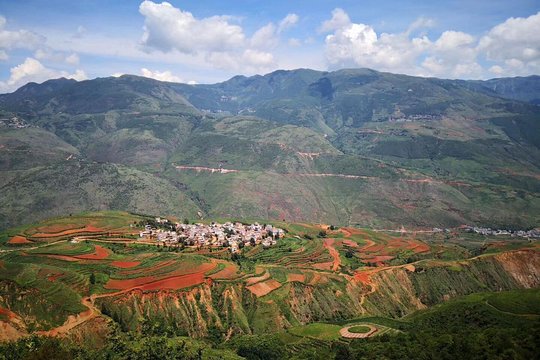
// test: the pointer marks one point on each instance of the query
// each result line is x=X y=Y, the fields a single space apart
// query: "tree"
x=92 y=278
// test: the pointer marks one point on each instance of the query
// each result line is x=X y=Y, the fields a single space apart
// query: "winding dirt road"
x=329 y=245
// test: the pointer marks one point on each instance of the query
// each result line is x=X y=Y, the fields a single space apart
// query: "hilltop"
x=350 y=147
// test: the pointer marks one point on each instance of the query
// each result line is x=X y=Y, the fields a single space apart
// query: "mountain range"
x=349 y=147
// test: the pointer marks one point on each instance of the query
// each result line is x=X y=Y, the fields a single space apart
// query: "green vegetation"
x=115 y=143
x=317 y=330
x=360 y=329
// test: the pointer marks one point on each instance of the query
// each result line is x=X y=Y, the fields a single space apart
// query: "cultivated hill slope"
x=353 y=146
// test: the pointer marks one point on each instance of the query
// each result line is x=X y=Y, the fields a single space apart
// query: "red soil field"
x=86 y=229
x=230 y=272
x=8 y=313
x=54 y=277
x=148 y=269
x=363 y=277
x=296 y=277
x=125 y=264
x=155 y=283
x=318 y=279
x=19 y=240
x=378 y=258
x=350 y=243
x=100 y=254
x=264 y=287
x=175 y=282
x=129 y=283
x=54 y=228
x=62 y=257
x=323 y=266
x=254 y=280
x=420 y=248
x=329 y=244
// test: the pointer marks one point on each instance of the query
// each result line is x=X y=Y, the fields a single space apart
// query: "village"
x=534 y=233
x=234 y=236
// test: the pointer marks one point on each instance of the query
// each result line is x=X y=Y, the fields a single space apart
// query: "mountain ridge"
x=354 y=146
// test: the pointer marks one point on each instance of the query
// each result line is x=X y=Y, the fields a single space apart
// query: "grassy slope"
x=477 y=150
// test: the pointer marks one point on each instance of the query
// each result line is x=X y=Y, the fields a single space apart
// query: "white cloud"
x=294 y=42
x=221 y=43
x=339 y=20
x=515 y=44
x=168 y=28
x=510 y=48
x=21 y=39
x=288 y=21
x=31 y=70
x=72 y=59
x=160 y=75
x=420 y=23
x=48 y=54
x=359 y=45
x=265 y=37
x=249 y=61
x=453 y=54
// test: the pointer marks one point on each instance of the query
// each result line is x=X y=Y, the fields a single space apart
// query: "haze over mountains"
x=350 y=147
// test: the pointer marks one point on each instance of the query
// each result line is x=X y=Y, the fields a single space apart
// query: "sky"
x=211 y=41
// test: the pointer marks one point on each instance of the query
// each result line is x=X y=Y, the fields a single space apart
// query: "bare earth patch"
x=19 y=240
x=125 y=264
x=296 y=277
x=264 y=287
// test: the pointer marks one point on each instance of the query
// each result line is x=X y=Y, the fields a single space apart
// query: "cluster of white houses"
x=231 y=235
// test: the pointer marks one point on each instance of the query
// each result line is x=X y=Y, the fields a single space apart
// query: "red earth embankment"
x=19 y=240
x=86 y=229
x=264 y=287
x=125 y=264
x=171 y=281
x=100 y=253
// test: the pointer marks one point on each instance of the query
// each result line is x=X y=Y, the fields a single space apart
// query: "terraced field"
x=91 y=264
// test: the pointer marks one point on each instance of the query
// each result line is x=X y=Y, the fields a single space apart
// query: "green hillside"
x=349 y=147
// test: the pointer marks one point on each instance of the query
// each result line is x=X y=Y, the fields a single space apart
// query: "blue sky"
x=210 y=41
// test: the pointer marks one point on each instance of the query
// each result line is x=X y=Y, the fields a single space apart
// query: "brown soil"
x=329 y=244
x=99 y=254
x=125 y=264
x=256 y=279
x=230 y=272
x=86 y=229
x=55 y=228
x=296 y=277
x=175 y=282
x=8 y=313
x=147 y=269
x=264 y=287
x=377 y=258
x=350 y=243
x=62 y=257
x=54 y=277
x=19 y=240
x=323 y=266
x=155 y=283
